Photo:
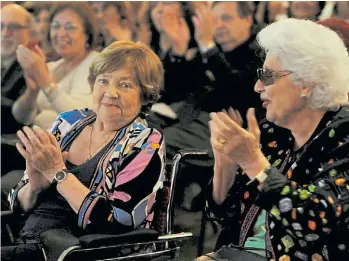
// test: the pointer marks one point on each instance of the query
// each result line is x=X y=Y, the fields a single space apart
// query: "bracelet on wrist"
x=49 y=88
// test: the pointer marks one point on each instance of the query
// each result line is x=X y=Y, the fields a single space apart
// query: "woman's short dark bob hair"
x=84 y=11
x=145 y=64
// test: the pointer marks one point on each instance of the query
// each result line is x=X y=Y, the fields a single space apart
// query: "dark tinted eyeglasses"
x=268 y=77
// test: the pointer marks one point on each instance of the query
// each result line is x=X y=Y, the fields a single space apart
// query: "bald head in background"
x=16 y=24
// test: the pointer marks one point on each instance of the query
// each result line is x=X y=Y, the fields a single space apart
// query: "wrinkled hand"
x=34 y=65
x=41 y=150
x=37 y=180
x=240 y=145
x=220 y=157
x=204 y=23
x=177 y=30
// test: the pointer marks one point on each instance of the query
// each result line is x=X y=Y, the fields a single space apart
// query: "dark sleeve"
x=137 y=180
x=227 y=213
x=180 y=78
x=319 y=208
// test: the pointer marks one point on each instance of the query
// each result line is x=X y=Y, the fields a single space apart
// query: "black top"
x=306 y=194
x=53 y=210
x=12 y=87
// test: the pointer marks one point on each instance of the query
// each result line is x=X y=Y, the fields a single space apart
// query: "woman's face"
x=159 y=8
x=67 y=33
x=282 y=99
x=117 y=96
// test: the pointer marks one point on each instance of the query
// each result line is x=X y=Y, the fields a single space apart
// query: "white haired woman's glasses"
x=268 y=77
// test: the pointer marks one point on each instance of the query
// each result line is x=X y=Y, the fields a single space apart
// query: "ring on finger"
x=221 y=141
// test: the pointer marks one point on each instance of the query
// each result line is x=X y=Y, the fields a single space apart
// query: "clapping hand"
x=220 y=157
x=238 y=144
x=204 y=23
x=177 y=30
x=33 y=63
x=41 y=151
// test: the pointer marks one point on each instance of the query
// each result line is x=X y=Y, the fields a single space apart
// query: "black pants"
x=22 y=252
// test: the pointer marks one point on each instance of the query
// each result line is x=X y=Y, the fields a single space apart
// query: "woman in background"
x=61 y=85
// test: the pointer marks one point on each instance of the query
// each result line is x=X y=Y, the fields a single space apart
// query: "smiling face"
x=117 y=96
x=282 y=99
x=67 y=33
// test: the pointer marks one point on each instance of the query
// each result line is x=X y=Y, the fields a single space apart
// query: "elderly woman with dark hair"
x=62 y=85
x=96 y=170
x=282 y=188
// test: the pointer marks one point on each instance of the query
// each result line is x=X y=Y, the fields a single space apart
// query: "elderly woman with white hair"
x=281 y=188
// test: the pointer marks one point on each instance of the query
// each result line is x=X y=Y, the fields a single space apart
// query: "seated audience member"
x=42 y=15
x=114 y=20
x=281 y=188
x=61 y=85
x=271 y=11
x=142 y=21
x=306 y=9
x=85 y=175
x=222 y=73
x=16 y=27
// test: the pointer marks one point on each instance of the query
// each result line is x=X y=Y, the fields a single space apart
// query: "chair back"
x=163 y=207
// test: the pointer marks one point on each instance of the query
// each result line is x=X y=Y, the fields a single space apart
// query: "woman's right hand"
x=224 y=167
x=220 y=158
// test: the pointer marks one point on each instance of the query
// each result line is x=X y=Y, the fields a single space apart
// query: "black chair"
x=156 y=243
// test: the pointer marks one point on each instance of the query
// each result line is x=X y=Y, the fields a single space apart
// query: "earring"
x=87 y=45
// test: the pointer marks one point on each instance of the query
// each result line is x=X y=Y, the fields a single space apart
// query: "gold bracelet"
x=48 y=89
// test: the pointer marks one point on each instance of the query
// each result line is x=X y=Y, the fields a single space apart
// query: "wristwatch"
x=59 y=177
x=260 y=177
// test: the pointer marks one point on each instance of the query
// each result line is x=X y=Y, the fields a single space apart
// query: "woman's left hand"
x=34 y=65
x=239 y=144
x=41 y=150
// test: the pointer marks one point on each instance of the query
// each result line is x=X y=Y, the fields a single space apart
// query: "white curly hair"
x=316 y=55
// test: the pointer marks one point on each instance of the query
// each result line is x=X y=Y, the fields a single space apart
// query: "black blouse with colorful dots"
x=306 y=194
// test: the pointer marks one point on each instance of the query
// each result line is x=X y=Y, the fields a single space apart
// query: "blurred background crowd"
x=208 y=51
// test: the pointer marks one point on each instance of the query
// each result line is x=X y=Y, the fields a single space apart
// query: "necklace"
x=98 y=148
